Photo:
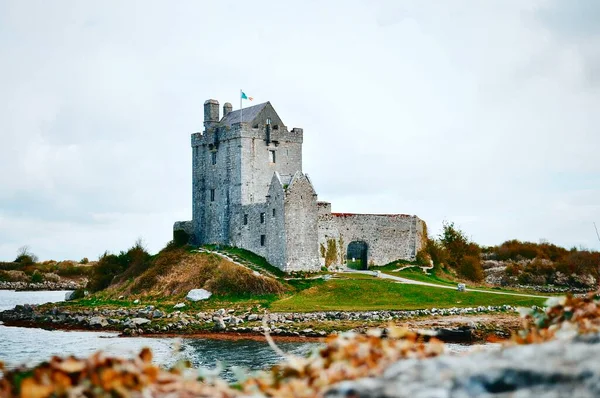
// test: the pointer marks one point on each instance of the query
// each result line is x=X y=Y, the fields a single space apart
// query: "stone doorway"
x=356 y=255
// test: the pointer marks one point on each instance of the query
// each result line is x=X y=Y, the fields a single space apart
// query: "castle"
x=249 y=191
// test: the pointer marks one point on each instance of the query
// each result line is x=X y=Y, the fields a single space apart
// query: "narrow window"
x=268 y=120
x=262 y=218
x=212 y=195
x=271 y=156
x=213 y=156
x=245 y=219
x=263 y=238
x=273 y=212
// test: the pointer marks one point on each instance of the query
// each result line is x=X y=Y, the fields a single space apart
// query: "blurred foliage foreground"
x=344 y=357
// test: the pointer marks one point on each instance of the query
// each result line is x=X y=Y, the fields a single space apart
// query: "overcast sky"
x=485 y=113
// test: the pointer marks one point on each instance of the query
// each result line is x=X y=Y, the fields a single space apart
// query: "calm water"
x=31 y=346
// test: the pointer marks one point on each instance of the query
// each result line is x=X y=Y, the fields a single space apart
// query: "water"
x=31 y=346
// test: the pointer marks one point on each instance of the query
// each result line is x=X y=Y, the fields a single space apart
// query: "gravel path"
x=413 y=282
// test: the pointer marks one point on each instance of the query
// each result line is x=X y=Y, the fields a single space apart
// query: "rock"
x=198 y=294
x=220 y=324
x=157 y=314
x=560 y=368
x=69 y=295
x=98 y=321
x=136 y=301
x=461 y=287
x=179 y=305
x=140 y=321
x=252 y=317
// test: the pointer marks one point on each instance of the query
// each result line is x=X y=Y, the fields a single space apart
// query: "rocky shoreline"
x=46 y=285
x=148 y=320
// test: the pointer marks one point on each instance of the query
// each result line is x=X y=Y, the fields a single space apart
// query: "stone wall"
x=389 y=237
x=244 y=166
x=301 y=225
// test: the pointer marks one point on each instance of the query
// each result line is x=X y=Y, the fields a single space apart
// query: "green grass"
x=363 y=293
x=356 y=264
x=247 y=258
x=417 y=274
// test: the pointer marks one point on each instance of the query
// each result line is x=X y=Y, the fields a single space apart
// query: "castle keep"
x=249 y=191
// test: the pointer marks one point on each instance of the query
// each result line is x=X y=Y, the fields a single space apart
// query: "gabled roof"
x=248 y=114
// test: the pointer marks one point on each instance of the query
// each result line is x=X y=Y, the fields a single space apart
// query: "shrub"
x=513 y=269
x=36 y=277
x=423 y=259
x=13 y=276
x=436 y=252
x=84 y=260
x=77 y=294
x=470 y=268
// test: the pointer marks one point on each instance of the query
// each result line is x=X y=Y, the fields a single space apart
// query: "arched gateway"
x=356 y=255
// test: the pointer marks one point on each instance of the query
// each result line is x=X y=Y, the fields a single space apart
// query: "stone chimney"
x=211 y=113
x=227 y=108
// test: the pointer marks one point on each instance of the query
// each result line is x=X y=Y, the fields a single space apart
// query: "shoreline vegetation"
x=549 y=343
x=136 y=293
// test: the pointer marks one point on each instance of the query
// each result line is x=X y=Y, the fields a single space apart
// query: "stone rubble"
x=149 y=320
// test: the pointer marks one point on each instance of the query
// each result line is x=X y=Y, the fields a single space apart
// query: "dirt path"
x=413 y=282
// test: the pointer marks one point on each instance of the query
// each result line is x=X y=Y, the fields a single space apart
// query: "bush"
x=120 y=267
x=423 y=259
x=84 y=260
x=436 y=252
x=36 y=277
x=13 y=276
x=77 y=294
x=470 y=268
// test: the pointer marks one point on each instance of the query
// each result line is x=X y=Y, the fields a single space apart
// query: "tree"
x=461 y=253
x=25 y=256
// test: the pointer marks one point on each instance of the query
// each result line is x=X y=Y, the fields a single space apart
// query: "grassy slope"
x=367 y=293
x=174 y=273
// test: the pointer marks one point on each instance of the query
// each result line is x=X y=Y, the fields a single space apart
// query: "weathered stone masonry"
x=249 y=191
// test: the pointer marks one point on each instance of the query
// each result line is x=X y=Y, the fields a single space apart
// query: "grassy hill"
x=175 y=271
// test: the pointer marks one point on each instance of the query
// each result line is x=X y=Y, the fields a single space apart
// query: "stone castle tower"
x=249 y=191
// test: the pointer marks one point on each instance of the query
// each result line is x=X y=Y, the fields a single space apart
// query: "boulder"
x=461 y=287
x=157 y=314
x=69 y=295
x=98 y=321
x=140 y=321
x=219 y=324
x=179 y=305
x=198 y=294
x=560 y=368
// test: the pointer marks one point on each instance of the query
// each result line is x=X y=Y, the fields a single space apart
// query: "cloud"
x=484 y=113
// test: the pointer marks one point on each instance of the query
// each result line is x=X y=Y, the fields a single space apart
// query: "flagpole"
x=241 y=110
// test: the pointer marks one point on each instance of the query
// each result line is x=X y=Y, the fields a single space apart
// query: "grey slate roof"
x=249 y=114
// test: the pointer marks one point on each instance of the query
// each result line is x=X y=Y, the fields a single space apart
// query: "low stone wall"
x=46 y=285
x=149 y=320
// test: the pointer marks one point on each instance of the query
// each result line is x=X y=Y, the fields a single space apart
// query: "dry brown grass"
x=176 y=272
